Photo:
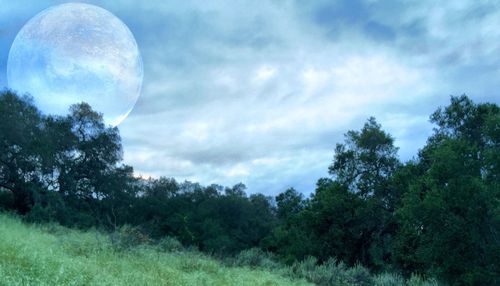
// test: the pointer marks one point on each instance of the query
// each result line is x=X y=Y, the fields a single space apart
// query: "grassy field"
x=53 y=255
x=50 y=254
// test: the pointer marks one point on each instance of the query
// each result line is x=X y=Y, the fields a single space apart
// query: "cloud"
x=260 y=93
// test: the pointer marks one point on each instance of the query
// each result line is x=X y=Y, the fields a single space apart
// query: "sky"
x=260 y=92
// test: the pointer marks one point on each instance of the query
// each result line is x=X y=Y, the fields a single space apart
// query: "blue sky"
x=260 y=92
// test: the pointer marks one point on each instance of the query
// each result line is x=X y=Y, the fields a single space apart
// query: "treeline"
x=436 y=215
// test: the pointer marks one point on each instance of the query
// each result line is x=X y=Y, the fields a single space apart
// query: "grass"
x=50 y=254
x=53 y=255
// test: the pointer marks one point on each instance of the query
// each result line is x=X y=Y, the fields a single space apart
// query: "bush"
x=417 y=280
x=388 y=279
x=170 y=244
x=256 y=258
x=39 y=214
x=49 y=207
x=331 y=272
x=359 y=275
x=6 y=200
x=127 y=237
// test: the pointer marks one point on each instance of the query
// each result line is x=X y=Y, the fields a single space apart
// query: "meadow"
x=53 y=255
x=49 y=254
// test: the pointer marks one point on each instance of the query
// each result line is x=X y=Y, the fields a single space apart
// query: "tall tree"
x=96 y=150
x=365 y=165
x=450 y=214
x=21 y=168
x=334 y=216
x=366 y=160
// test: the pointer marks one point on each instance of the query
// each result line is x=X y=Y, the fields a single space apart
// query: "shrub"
x=39 y=214
x=317 y=274
x=387 y=279
x=170 y=244
x=255 y=257
x=331 y=272
x=127 y=237
x=417 y=280
x=6 y=200
x=359 y=275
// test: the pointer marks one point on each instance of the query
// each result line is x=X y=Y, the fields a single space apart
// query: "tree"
x=365 y=165
x=21 y=144
x=90 y=161
x=366 y=160
x=289 y=204
x=290 y=238
x=449 y=217
x=120 y=192
x=335 y=219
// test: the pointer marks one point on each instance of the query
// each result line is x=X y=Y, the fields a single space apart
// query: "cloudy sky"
x=260 y=92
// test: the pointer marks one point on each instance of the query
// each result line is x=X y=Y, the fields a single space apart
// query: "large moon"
x=74 y=53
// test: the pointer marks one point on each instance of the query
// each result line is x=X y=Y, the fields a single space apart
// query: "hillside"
x=53 y=255
x=50 y=254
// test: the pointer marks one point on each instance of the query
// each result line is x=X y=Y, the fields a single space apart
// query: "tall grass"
x=50 y=254
x=53 y=255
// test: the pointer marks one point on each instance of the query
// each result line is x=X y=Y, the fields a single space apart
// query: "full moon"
x=74 y=53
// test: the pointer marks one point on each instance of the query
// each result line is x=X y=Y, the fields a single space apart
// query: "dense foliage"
x=436 y=215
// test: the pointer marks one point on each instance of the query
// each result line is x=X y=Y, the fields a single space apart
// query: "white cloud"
x=237 y=92
x=264 y=73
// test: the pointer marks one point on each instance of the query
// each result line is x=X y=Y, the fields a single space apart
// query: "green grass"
x=50 y=254
x=53 y=255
